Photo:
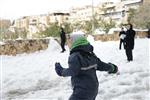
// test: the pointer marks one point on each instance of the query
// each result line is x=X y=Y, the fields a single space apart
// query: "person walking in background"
x=122 y=35
x=63 y=39
x=129 y=42
x=149 y=33
x=83 y=64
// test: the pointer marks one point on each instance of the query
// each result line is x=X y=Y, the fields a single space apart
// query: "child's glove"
x=114 y=68
x=58 y=69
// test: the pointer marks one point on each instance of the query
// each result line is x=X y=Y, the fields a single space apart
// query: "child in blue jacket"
x=83 y=65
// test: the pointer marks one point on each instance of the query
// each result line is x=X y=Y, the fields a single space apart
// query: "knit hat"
x=75 y=35
x=78 y=39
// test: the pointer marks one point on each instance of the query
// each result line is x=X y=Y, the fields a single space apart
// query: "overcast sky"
x=12 y=9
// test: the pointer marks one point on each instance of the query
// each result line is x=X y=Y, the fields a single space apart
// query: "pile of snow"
x=97 y=31
x=78 y=32
x=2 y=43
x=141 y=30
x=19 y=38
x=112 y=30
x=90 y=38
x=32 y=76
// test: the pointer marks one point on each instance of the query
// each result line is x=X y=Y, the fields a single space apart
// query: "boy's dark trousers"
x=129 y=54
x=73 y=97
x=63 y=46
x=121 y=41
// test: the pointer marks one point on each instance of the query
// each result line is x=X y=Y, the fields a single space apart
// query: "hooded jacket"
x=129 y=39
x=82 y=69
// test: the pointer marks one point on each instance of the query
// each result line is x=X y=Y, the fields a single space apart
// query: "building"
x=22 y=22
x=82 y=14
x=58 y=17
x=118 y=11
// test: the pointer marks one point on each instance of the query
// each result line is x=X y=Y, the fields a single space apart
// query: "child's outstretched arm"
x=73 y=70
x=109 y=67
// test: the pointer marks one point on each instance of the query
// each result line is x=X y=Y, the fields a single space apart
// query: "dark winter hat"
x=78 y=39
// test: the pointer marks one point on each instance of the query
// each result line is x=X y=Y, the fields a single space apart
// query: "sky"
x=12 y=9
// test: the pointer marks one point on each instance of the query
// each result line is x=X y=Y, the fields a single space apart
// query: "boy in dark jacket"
x=63 y=39
x=83 y=65
x=129 y=42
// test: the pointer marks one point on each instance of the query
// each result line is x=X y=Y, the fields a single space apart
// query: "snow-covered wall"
x=115 y=36
x=13 y=47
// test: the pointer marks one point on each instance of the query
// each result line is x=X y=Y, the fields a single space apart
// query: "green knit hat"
x=78 y=42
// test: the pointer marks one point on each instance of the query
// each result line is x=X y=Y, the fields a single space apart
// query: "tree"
x=52 y=30
x=142 y=16
x=20 y=33
x=131 y=15
x=107 y=25
x=88 y=26
x=67 y=27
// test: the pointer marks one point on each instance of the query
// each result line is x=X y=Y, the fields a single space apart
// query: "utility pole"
x=92 y=17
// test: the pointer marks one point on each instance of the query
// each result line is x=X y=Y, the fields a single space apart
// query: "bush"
x=54 y=30
x=107 y=25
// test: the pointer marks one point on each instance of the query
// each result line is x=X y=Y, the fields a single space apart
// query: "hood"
x=81 y=44
x=83 y=48
x=79 y=41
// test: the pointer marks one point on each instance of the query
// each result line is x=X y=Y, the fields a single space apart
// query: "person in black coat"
x=63 y=39
x=129 y=42
x=122 y=35
x=149 y=33
x=83 y=64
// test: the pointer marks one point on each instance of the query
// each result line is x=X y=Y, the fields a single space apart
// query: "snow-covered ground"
x=32 y=76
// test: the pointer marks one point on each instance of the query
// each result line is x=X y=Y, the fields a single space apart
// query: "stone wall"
x=13 y=47
x=115 y=36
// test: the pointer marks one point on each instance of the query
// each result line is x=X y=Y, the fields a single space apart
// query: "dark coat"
x=149 y=33
x=82 y=69
x=63 y=36
x=129 y=39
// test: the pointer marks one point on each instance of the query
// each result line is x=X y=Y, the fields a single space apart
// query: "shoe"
x=63 y=51
x=128 y=61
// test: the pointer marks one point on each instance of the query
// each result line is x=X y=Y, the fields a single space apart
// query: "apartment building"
x=118 y=11
x=22 y=22
x=82 y=14
x=37 y=23
x=59 y=17
x=43 y=20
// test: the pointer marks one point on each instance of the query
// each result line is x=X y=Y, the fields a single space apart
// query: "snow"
x=78 y=32
x=32 y=76
x=2 y=43
x=112 y=30
x=99 y=31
